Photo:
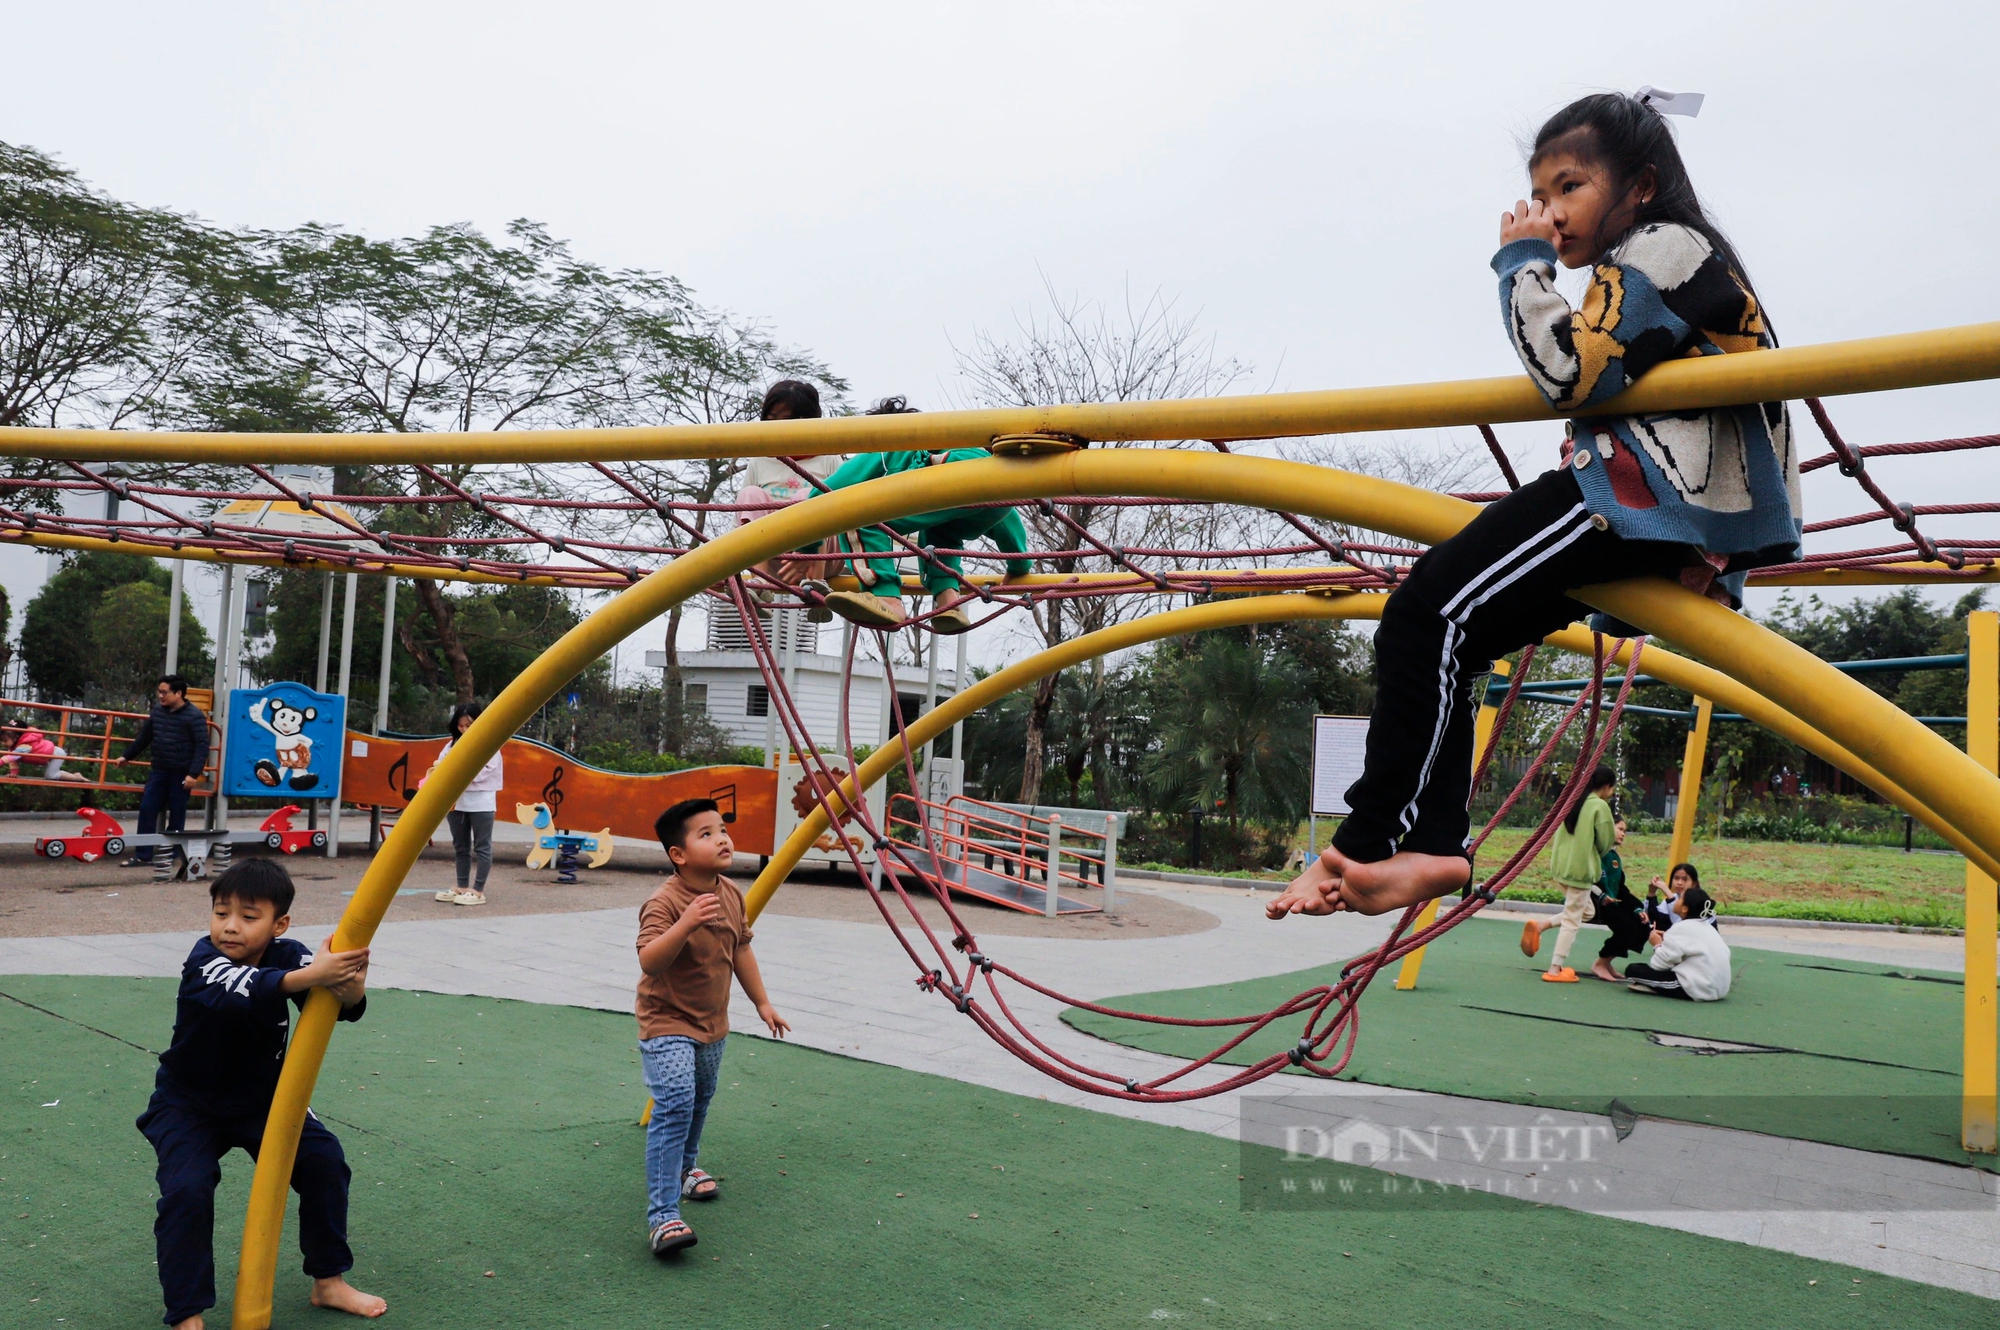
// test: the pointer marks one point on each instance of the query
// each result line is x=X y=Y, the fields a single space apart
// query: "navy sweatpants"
x=190 y=1143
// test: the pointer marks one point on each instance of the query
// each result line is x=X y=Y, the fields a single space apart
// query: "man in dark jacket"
x=177 y=733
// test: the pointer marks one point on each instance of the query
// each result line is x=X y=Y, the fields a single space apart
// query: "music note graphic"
x=552 y=795
x=399 y=775
x=725 y=801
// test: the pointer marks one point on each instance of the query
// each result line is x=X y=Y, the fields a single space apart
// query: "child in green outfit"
x=880 y=603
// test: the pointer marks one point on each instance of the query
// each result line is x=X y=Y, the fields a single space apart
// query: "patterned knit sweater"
x=1724 y=480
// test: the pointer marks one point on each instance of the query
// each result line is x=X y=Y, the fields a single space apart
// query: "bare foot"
x=1402 y=880
x=342 y=1296
x=1315 y=891
x=1602 y=969
x=191 y=1323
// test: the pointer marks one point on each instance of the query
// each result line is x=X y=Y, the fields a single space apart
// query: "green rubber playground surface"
x=1843 y=1053
x=499 y=1182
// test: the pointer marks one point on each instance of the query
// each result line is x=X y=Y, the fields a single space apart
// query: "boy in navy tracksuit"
x=216 y=1081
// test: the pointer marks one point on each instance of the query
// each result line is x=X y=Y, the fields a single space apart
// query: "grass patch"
x=499 y=1137
x=1865 y=1057
x=1787 y=880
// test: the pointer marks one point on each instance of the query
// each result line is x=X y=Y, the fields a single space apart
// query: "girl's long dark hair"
x=460 y=712
x=1599 y=778
x=1625 y=136
x=1694 y=875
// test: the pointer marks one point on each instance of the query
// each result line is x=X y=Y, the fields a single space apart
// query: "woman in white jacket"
x=471 y=818
x=1690 y=960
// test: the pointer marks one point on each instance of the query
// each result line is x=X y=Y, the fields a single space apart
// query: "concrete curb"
x=1540 y=907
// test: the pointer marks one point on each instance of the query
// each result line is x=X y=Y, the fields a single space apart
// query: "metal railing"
x=87 y=736
x=1015 y=841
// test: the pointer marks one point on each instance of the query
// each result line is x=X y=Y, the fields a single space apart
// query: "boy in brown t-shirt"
x=693 y=936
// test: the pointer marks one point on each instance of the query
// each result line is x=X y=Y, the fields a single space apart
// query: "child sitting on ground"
x=1690 y=960
x=880 y=603
x=215 y=1085
x=1660 y=895
x=693 y=936
x=37 y=747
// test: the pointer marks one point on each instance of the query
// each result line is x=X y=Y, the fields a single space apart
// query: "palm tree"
x=1234 y=721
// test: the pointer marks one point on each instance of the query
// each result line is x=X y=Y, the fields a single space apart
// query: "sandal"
x=672 y=1236
x=1531 y=938
x=692 y=1184
x=447 y=896
x=867 y=609
x=951 y=622
x=1562 y=976
x=468 y=898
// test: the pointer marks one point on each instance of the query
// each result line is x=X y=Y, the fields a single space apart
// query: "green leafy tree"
x=1234 y=719
x=72 y=644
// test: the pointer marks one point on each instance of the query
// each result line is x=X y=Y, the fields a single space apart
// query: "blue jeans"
x=681 y=1076
x=164 y=791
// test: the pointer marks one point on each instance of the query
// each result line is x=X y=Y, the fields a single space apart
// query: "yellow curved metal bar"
x=1872 y=364
x=1913 y=573
x=927 y=727
x=1659 y=663
x=1964 y=794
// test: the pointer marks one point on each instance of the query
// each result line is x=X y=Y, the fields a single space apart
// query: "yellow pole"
x=1965 y=797
x=1869 y=364
x=1482 y=739
x=1682 y=847
x=1982 y=740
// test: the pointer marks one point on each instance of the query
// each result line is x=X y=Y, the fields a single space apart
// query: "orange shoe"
x=1562 y=976
x=1531 y=937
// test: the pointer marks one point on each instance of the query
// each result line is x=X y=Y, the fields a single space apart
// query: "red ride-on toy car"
x=103 y=838
x=280 y=834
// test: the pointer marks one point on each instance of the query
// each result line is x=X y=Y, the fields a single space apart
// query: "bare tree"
x=710 y=368
x=1074 y=350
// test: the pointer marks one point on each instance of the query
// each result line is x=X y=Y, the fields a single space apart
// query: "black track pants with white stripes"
x=1495 y=587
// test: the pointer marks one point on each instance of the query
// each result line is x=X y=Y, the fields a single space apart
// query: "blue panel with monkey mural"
x=284 y=740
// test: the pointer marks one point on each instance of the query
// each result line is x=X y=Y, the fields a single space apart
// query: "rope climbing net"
x=602 y=526
x=957 y=969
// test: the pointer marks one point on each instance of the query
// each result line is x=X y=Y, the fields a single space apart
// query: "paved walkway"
x=847 y=988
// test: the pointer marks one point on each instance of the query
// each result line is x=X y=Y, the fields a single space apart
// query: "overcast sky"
x=1321 y=183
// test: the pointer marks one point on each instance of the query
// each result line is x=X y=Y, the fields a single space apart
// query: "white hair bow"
x=1671 y=103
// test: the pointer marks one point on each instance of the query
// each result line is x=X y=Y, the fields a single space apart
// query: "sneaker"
x=468 y=898
x=672 y=1236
